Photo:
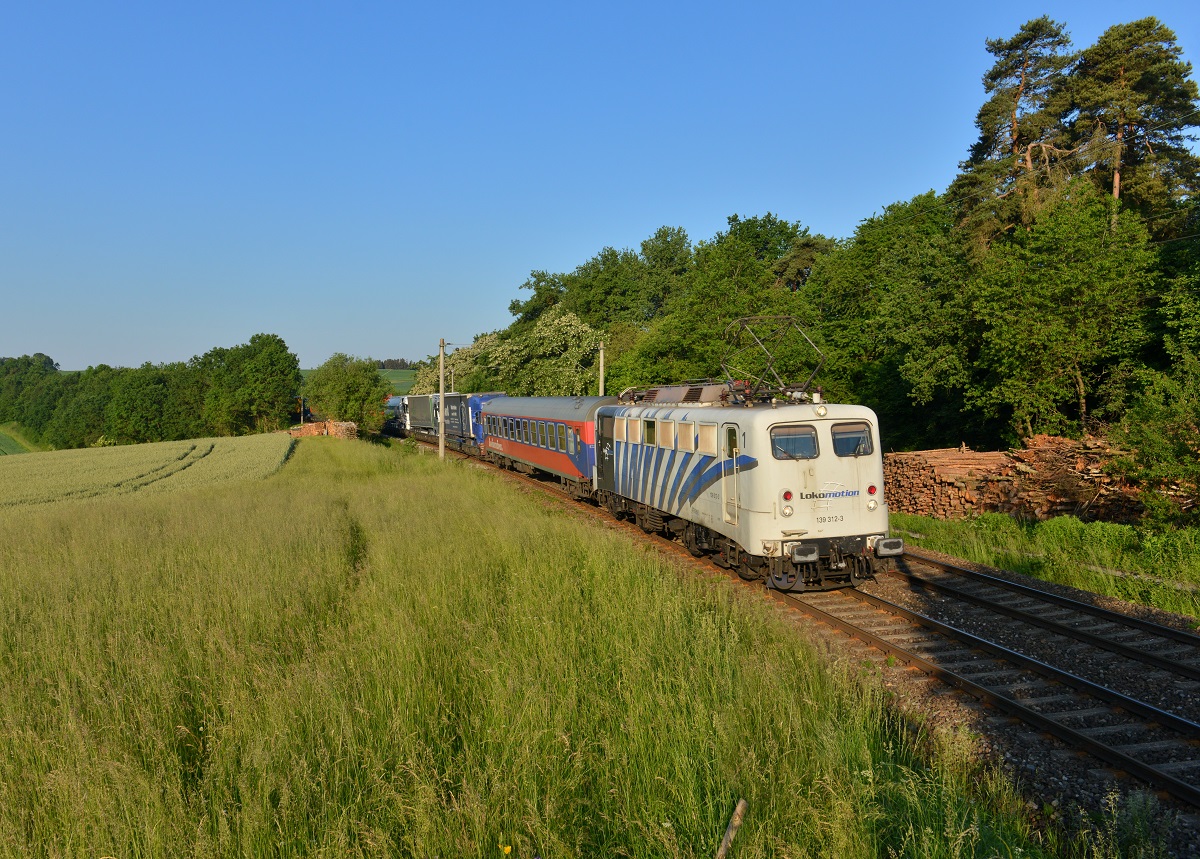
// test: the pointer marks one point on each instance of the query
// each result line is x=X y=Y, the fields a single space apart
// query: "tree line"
x=1053 y=287
x=226 y=391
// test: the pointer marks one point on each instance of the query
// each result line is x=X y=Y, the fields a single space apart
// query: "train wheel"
x=783 y=579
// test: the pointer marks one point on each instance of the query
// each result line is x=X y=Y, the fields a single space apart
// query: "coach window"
x=571 y=442
x=794 y=442
x=619 y=429
x=542 y=434
x=523 y=432
x=562 y=437
x=633 y=430
x=708 y=439
x=666 y=434
x=852 y=439
x=648 y=432
x=687 y=436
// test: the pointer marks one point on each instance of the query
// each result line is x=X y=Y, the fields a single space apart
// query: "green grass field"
x=374 y=653
x=13 y=441
x=56 y=476
x=9 y=445
x=400 y=380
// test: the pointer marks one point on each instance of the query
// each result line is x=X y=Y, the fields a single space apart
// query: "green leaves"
x=346 y=388
x=1058 y=307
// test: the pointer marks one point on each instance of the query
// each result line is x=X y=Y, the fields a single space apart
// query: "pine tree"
x=1132 y=103
x=1019 y=137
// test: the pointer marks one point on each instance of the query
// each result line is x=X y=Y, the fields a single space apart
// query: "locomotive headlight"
x=787 y=510
x=821 y=411
x=872 y=504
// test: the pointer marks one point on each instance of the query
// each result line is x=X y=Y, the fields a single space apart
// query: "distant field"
x=11 y=440
x=41 y=478
x=400 y=380
x=9 y=445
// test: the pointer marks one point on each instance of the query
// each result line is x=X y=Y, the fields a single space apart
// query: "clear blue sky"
x=368 y=177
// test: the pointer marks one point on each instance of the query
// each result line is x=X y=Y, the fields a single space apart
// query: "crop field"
x=55 y=476
x=400 y=380
x=374 y=653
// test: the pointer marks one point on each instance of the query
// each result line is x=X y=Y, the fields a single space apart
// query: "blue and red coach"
x=551 y=434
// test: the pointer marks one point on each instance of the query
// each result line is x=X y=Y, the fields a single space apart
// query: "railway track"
x=1154 y=742
x=1159 y=747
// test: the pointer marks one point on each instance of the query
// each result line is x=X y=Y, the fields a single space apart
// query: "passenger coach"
x=556 y=435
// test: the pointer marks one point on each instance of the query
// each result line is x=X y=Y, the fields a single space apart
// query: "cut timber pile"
x=1050 y=477
x=337 y=429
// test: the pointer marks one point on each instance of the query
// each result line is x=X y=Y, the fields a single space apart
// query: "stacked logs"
x=1050 y=477
x=337 y=429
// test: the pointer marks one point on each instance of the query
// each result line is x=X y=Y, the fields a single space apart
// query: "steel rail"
x=1126 y=650
x=1066 y=602
x=1175 y=787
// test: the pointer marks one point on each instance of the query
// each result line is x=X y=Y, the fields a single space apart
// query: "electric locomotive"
x=788 y=491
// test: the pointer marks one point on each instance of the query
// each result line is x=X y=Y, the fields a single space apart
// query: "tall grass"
x=1160 y=569
x=375 y=653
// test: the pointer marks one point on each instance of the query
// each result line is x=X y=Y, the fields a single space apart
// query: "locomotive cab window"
x=648 y=431
x=798 y=442
x=852 y=439
x=687 y=436
x=731 y=441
